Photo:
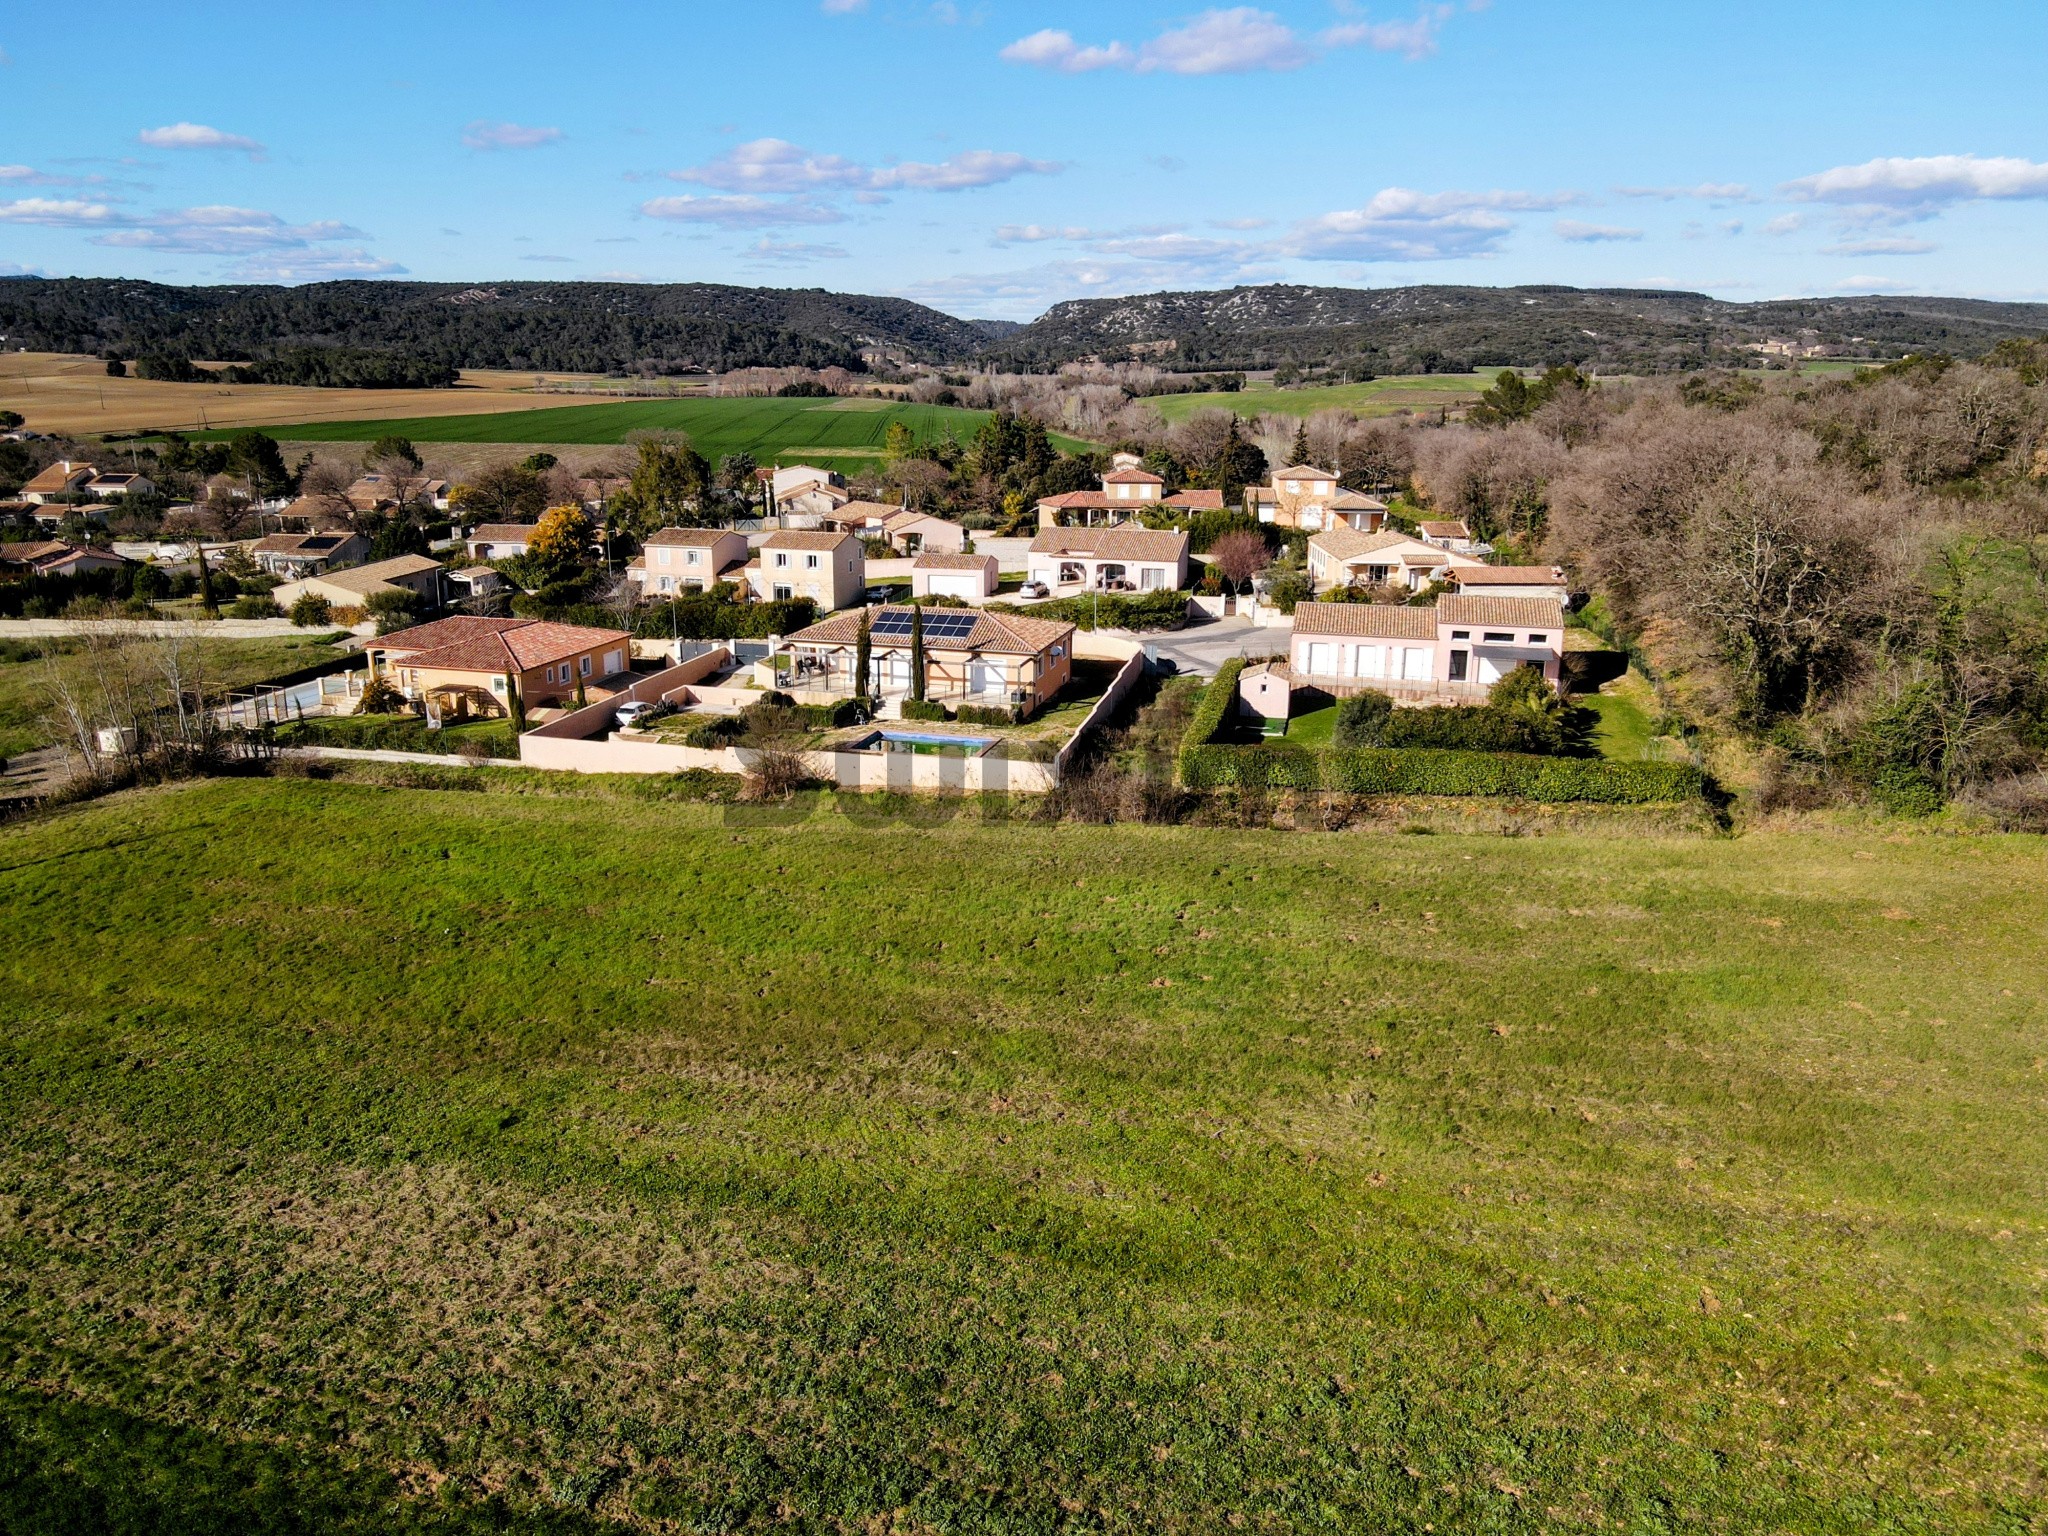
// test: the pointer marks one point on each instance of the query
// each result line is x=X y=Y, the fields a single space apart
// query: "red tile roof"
x=500 y=645
x=1161 y=544
x=1195 y=501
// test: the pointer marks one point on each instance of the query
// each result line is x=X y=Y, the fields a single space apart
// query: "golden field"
x=57 y=392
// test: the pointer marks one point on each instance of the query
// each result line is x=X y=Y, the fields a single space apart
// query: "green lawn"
x=837 y=431
x=1317 y=728
x=378 y=1159
x=24 y=689
x=1377 y=397
x=1628 y=711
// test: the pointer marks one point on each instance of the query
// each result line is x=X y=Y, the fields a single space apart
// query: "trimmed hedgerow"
x=985 y=714
x=924 y=709
x=1213 y=709
x=825 y=717
x=1424 y=771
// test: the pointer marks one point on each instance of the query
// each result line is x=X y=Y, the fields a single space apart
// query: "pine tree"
x=1300 y=449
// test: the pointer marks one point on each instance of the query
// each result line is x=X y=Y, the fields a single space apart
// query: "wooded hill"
x=559 y=327
x=687 y=327
x=1450 y=330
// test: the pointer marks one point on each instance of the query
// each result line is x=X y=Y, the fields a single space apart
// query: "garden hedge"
x=1213 y=709
x=1426 y=771
x=924 y=709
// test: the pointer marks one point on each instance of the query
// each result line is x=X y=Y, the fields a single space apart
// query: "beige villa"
x=1122 y=559
x=465 y=666
x=971 y=656
x=828 y=568
x=687 y=560
x=1449 y=652
x=1302 y=496
x=355 y=586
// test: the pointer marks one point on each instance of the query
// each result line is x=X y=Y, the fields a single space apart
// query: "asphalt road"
x=1202 y=648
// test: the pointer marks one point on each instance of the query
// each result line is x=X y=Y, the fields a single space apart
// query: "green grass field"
x=378 y=1159
x=1377 y=397
x=24 y=691
x=834 y=430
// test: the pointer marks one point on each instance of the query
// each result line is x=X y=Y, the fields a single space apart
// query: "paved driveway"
x=1202 y=648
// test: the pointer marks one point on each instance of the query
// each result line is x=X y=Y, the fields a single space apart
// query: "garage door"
x=955 y=584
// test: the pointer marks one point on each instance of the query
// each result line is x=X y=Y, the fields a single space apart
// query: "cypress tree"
x=862 y=652
x=917 y=653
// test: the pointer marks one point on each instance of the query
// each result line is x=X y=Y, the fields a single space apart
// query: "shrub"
x=984 y=714
x=381 y=697
x=825 y=717
x=715 y=735
x=1110 y=610
x=923 y=709
x=1422 y=771
x=310 y=610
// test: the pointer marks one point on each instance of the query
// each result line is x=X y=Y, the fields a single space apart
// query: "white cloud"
x=491 y=136
x=1898 y=189
x=1786 y=224
x=1239 y=223
x=1705 y=192
x=1880 y=246
x=1053 y=49
x=220 y=230
x=791 y=254
x=1030 y=234
x=1238 y=40
x=29 y=176
x=776 y=165
x=60 y=213
x=1402 y=225
x=197 y=136
x=314 y=266
x=745 y=212
x=1593 y=234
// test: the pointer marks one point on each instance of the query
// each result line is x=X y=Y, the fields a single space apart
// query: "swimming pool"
x=920 y=741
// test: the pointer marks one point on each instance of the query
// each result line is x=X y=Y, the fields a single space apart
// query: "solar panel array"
x=943 y=627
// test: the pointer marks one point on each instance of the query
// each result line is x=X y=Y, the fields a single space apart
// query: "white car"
x=628 y=714
x=1034 y=589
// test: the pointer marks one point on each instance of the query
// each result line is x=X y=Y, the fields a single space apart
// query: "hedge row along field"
x=1207 y=764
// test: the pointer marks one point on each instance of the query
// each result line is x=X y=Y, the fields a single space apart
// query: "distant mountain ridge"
x=589 y=327
x=1450 y=329
x=558 y=327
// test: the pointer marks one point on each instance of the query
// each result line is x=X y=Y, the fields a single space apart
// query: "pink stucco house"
x=1451 y=652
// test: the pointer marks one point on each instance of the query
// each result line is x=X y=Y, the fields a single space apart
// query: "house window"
x=582 y=666
x=781 y=558
x=782 y=591
x=1495 y=637
x=810 y=562
x=661 y=557
x=668 y=583
x=497 y=685
x=1461 y=634
x=1539 y=639
x=1322 y=660
x=692 y=556
x=1459 y=660
x=1151 y=578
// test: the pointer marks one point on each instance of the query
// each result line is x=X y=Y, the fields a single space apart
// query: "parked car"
x=1034 y=589
x=629 y=714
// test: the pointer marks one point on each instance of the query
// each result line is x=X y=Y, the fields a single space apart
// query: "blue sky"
x=992 y=157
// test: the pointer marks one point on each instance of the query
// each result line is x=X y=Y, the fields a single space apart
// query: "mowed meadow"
x=837 y=430
x=378 y=1159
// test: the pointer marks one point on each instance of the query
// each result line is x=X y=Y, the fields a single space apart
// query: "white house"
x=104 y=486
x=1453 y=651
x=1126 y=491
x=498 y=541
x=1123 y=559
x=1451 y=533
x=1341 y=557
x=1543 y=581
x=968 y=576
